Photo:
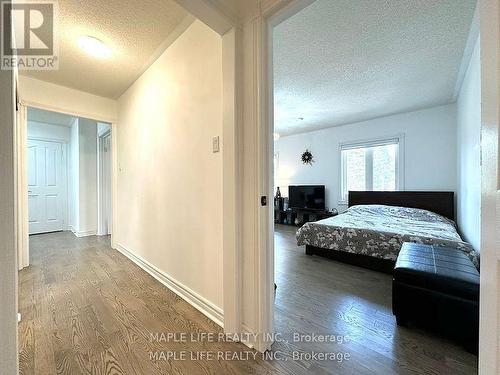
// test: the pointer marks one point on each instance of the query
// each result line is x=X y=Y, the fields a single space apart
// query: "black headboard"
x=440 y=202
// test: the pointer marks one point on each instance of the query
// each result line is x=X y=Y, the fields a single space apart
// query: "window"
x=370 y=166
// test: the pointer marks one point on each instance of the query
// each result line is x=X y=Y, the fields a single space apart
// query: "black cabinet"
x=297 y=216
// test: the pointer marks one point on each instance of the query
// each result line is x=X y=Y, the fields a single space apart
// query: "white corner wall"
x=87 y=142
x=469 y=153
x=74 y=178
x=83 y=177
x=169 y=203
x=430 y=152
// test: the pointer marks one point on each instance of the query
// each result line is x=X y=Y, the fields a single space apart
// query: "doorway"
x=68 y=183
x=331 y=296
x=48 y=141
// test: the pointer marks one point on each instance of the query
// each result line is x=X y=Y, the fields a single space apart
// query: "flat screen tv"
x=310 y=197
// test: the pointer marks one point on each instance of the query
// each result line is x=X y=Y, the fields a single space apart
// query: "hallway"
x=87 y=309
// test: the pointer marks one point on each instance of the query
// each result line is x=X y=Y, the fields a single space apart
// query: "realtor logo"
x=28 y=35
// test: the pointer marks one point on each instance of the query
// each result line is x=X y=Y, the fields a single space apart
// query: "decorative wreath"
x=307 y=157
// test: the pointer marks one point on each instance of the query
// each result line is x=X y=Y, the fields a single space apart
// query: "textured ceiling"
x=48 y=117
x=132 y=29
x=343 y=61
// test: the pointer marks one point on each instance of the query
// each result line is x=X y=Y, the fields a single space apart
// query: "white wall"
x=430 y=152
x=83 y=177
x=64 y=99
x=48 y=131
x=469 y=152
x=169 y=203
x=87 y=141
x=74 y=178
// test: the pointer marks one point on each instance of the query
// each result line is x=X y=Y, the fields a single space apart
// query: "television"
x=310 y=197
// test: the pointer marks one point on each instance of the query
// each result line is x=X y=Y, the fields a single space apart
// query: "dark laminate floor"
x=323 y=296
x=87 y=309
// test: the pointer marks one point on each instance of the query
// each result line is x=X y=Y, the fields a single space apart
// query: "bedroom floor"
x=318 y=295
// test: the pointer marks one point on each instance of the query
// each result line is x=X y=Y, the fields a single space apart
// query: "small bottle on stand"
x=279 y=199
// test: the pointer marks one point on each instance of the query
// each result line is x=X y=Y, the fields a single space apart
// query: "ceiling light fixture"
x=94 y=47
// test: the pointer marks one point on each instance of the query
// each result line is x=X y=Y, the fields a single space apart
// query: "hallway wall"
x=8 y=254
x=169 y=203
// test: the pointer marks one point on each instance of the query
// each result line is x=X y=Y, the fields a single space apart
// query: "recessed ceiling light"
x=94 y=47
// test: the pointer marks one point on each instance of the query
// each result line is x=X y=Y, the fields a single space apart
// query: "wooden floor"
x=86 y=309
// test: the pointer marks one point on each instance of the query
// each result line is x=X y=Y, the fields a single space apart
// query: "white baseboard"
x=200 y=303
x=82 y=233
x=246 y=330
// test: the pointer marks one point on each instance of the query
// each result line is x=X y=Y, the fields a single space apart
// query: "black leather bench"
x=437 y=288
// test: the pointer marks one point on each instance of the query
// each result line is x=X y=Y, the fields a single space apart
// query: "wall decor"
x=307 y=157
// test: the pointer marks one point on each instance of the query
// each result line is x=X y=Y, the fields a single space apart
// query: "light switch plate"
x=215 y=144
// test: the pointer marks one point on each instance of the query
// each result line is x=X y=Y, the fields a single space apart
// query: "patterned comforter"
x=379 y=231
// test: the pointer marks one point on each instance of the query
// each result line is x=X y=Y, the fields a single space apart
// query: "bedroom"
x=402 y=116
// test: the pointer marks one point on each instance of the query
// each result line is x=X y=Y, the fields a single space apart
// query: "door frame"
x=275 y=13
x=22 y=170
x=489 y=301
x=64 y=177
x=100 y=187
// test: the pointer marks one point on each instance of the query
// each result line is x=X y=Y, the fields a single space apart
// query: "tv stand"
x=299 y=216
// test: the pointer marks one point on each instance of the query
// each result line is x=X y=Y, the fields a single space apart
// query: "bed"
x=370 y=233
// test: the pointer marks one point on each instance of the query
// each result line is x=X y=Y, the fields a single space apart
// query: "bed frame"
x=439 y=202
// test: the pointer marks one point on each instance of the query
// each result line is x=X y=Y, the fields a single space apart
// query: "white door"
x=46 y=186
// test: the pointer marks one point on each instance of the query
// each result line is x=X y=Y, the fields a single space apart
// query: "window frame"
x=398 y=139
